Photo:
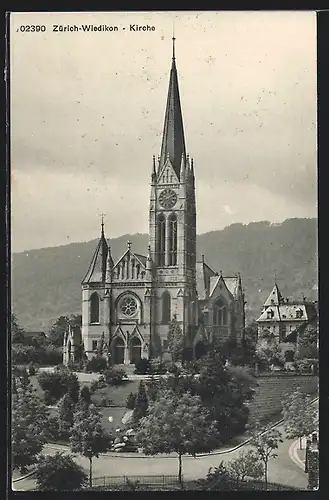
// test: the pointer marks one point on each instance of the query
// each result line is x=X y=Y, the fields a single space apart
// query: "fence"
x=167 y=481
x=142 y=480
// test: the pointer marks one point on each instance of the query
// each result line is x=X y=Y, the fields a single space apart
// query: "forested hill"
x=46 y=283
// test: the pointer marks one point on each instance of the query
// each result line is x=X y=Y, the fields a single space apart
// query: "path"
x=282 y=470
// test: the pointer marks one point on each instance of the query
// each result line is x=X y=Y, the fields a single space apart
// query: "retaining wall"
x=272 y=389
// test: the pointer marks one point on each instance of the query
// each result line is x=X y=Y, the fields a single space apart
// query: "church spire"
x=173 y=141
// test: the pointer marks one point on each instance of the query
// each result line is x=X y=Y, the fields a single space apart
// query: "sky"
x=87 y=111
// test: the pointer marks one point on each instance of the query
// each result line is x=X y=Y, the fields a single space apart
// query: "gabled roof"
x=232 y=284
x=275 y=297
x=285 y=312
x=203 y=274
x=173 y=141
x=97 y=269
x=141 y=259
x=207 y=281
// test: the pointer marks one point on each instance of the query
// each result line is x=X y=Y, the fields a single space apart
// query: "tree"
x=142 y=366
x=17 y=333
x=300 y=417
x=85 y=396
x=29 y=429
x=141 y=403
x=60 y=382
x=266 y=445
x=251 y=332
x=130 y=401
x=56 y=332
x=175 y=340
x=247 y=464
x=88 y=436
x=307 y=344
x=177 y=424
x=59 y=472
x=268 y=352
x=225 y=391
x=66 y=409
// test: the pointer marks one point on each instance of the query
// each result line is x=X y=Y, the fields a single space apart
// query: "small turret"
x=109 y=265
x=182 y=169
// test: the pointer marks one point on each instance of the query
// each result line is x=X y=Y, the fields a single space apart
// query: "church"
x=128 y=304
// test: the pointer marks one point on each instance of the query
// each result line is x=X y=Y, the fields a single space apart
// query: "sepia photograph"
x=164 y=251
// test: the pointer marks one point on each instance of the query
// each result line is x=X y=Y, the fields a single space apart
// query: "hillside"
x=46 y=282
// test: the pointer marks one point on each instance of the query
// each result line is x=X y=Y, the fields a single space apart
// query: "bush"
x=42 y=354
x=49 y=399
x=58 y=383
x=305 y=366
x=101 y=383
x=157 y=366
x=76 y=366
x=94 y=386
x=115 y=376
x=97 y=364
x=31 y=369
x=85 y=394
x=104 y=402
x=130 y=401
x=142 y=367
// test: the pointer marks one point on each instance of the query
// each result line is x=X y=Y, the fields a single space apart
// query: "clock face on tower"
x=168 y=198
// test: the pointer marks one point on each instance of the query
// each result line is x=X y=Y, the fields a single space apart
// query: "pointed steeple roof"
x=173 y=141
x=97 y=269
x=275 y=298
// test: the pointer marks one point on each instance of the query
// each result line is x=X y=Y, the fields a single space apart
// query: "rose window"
x=128 y=306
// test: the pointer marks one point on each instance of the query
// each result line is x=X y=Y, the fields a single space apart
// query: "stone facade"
x=131 y=302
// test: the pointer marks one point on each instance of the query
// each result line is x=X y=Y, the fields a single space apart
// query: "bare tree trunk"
x=90 y=473
x=265 y=475
x=180 y=469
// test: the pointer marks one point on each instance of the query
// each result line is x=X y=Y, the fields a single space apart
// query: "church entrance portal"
x=118 y=351
x=135 y=350
x=200 y=350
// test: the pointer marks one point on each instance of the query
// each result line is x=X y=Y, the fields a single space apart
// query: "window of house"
x=283 y=332
x=166 y=308
x=165 y=344
x=220 y=314
x=94 y=345
x=161 y=237
x=94 y=308
x=173 y=240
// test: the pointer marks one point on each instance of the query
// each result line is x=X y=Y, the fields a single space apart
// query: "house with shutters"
x=286 y=320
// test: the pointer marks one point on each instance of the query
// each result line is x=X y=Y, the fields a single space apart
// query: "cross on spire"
x=102 y=222
x=129 y=244
x=173 y=41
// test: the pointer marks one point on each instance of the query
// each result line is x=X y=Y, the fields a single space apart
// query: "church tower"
x=172 y=223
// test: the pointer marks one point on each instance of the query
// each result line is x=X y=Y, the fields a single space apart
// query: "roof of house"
x=207 y=280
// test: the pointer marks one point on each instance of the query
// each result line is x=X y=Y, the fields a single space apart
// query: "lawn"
x=116 y=397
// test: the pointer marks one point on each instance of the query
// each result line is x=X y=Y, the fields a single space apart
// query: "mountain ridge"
x=46 y=282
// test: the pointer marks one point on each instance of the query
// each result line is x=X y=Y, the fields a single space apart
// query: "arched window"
x=166 y=308
x=220 y=317
x=172 y=240
x=94 y=308
x=161 y=238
